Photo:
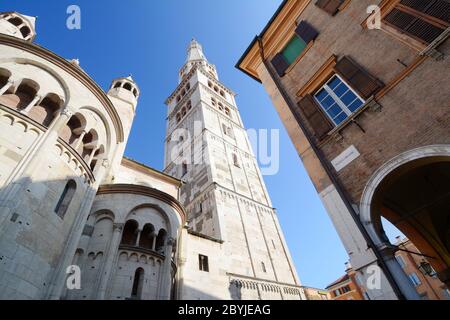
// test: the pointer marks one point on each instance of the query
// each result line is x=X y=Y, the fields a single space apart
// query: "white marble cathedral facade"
x=202 y=229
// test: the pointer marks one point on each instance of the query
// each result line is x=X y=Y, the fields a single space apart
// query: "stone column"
x=153 y=235
x=165 y=284
x=79 y=140
x=400 y=277
x=109 y=263
x=33 y=102
x=91 y=156
x=138 y=238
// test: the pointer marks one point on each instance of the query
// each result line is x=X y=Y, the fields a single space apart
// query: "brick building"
x=347 y=287
x=414 y=264
x=367 y=107
x=419 y=271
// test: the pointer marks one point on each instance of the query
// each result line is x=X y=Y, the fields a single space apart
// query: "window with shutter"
x=338 y=100
x=330 y=6
x=280 y=64
x=359 y=79
x=423 y=20
x=316 y=118
x=304 y=34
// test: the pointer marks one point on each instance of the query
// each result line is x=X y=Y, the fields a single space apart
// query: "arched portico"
x=412 y=191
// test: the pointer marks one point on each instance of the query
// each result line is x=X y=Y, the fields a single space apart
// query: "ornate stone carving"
x=171 y=242
x=68 y=112
x=118 y=227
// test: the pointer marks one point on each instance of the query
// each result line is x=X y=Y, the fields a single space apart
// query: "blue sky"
x=148 y=39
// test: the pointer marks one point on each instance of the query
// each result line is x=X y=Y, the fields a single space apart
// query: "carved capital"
x=68 y=112
x=105 y=163
x=171 y=242
x=117 y=227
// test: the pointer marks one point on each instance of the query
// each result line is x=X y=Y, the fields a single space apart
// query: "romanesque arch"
x=412 y=191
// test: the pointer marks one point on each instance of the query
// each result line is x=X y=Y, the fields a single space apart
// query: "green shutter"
x=293 y=49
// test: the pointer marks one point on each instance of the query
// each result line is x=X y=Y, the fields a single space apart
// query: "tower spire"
x=196 y=58
x=195 y=52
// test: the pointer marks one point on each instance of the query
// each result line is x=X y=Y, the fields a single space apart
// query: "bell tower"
x=223 y=192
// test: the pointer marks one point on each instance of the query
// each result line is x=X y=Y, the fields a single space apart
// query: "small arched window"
x=70 y=133
x=138 y=283
x=263 y=267
x=118 y=85
x=210 y=84
x=15 y=21
x=127 y=86
x=130 y=232
x=213 y=102
x=25 y=31
x=227 y=112
x=23 y=96
x=147 y=237
x=45 y=111
x=220 y=106
x=178 y=117
x=188 y=86
x=222 y=93
x=235 y=160
x=161 y=241
x=184 y=169
x=183 y=112
x=189 y=105
x=65 y=198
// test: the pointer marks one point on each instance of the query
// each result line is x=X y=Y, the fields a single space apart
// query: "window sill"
x=370 y=104
x=431 y=51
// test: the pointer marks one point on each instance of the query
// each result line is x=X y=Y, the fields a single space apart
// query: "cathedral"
x=203 y=228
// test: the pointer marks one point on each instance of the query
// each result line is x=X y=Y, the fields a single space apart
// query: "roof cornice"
x=144 y=191
x=275 y=35
x=133 y=164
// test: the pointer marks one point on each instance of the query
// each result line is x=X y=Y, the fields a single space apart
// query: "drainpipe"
x=334 y=179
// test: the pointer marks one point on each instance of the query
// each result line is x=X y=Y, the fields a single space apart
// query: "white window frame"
x=336 y=98
x=402 y=263
x=414 y=279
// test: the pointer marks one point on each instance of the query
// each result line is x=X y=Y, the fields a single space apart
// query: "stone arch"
x=45 y=111
x=422 y=218
x=138 y=284
x=88 y=145
x=98 y=155
x=66 y=198
x=103 y=214
x=130 y=232
x=161 y=240
x=148 y=237
x=106 y=141
x=72 y=130
x=160 y=211
x=128 y=86
x=123 y=256
x=22 y=96
x=62 y=84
